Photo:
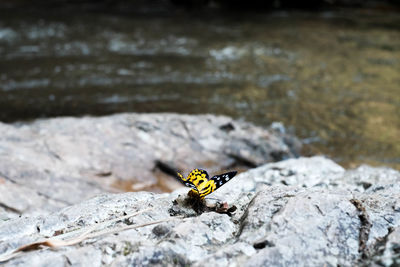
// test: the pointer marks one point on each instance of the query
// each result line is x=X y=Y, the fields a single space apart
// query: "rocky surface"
x=59 y=162
x=297 y=212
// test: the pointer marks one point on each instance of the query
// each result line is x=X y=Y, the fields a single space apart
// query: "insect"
x=202 y=185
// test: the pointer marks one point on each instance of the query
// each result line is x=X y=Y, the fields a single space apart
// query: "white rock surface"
x=321 y=215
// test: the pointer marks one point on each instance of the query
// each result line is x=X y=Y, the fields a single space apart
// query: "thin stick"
x=87 y=235
x=128 y=227
x=59 y=241
x=99 y=225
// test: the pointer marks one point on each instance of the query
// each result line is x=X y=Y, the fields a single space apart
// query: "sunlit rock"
x=307 y=223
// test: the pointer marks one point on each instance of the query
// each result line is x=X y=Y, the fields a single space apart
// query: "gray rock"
x=321 y=218
x=59 y=162
x=388 y=252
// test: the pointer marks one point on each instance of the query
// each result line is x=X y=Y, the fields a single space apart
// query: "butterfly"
x=201 y=184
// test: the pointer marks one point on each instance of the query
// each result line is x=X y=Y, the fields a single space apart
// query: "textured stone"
x=59 y=162
x=388 y=252
x=314 y=221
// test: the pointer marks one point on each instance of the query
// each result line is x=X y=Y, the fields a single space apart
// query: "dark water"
x=332 y=77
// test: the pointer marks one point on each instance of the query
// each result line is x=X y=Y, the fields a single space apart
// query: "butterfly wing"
x=222 y=179
x=191 y=185
x=198 y=177
x=187 y=182
x=197 y=174
x=199 y=181
x=214 y=183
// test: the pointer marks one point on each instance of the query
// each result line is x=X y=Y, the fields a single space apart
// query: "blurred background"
x=329 y=70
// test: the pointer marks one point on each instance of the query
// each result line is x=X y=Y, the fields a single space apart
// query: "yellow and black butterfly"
x=201 y=184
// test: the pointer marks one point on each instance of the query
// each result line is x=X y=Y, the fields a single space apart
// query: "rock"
x=388 y=251
x=321 y=216
x=59 y=162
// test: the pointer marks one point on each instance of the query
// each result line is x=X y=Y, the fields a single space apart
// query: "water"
x=332 y=77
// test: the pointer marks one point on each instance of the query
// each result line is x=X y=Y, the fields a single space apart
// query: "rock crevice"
x=365 y=226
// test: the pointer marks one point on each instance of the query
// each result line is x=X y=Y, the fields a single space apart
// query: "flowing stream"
x=332 y=77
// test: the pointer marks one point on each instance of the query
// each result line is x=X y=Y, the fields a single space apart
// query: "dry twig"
x=85 y=233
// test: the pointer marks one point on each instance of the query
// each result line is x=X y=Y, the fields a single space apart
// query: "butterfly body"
x=201 y=184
